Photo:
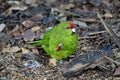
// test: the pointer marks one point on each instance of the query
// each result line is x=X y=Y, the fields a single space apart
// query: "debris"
x=14 y=2
x=108 y=15
x=60 y=62
x=52 y=62
x=2 y=26
x=117 y=71
x=110 y=31
x=32 y=64
x=28 y=56
x=95 y=3
x=67 y=7
x=24 y=50
x=86 y=61
x=28 y=35
x=35 y=28
x=30 y=2
x=18 y=7
x=28 y=23
x=13 y=49
x=49 y=28
x=49 y=19
x=37 y=18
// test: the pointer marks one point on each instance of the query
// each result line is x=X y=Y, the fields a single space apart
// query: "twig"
x=110 y=59
x=94 y=20
x=88 y=37
x=99 y=32
x=110 y=31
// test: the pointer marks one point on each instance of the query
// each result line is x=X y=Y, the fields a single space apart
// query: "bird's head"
x=71 y=26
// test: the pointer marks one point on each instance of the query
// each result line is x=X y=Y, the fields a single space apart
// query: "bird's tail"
x=35 y=43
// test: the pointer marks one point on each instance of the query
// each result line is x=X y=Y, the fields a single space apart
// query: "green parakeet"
x=59 y=42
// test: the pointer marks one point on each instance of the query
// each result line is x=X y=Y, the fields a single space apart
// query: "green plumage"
x=58 y=35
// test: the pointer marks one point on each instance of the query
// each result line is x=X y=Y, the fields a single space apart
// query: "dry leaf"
x=24 y=50
x=28 y=35
x=11 y=49
x=117 y=71
x=109 y=15
x=2 y=26
x=52 y=62
x=35 y=28
x=28 y=23
x=68 y=6
x=7 y=12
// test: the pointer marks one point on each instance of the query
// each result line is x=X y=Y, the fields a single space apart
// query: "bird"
x=59 y=42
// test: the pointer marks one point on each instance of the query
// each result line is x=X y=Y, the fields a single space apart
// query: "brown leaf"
x=36 y=18
x=11 y=49
x=28 y=23
x=68 y=6
x=35 y=28
x=52 y=62
x=34 y=50
x=109 y=15
x=28 y=35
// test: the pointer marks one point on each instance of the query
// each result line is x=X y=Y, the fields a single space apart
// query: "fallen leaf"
x=117 y=71
x=28 y=23
x=2 y=26
x=52 y=62
x=28 y=35
x=24 y=50
x=34 y=50
x=36 y=18
x=67 y=7
x=35 y=28
x=109 y=15
x=11 y=49
x=7 y=12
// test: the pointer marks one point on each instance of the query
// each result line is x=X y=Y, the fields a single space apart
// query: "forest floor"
x=98 y=30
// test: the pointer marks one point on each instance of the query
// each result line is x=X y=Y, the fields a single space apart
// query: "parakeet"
x=59 y=42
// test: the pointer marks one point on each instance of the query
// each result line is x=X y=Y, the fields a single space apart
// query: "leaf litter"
x=29 y=19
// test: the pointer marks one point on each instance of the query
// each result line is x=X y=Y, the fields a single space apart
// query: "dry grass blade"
x=110 y=31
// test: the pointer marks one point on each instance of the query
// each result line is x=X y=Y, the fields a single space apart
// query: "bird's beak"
x=73 y=30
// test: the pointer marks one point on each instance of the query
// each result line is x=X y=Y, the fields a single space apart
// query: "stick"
x=110 y=31
x=110 y=59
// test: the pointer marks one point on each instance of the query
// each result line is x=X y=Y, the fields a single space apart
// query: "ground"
x=98 y=25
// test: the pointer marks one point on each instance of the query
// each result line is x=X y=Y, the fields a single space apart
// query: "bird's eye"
x=67 y=28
